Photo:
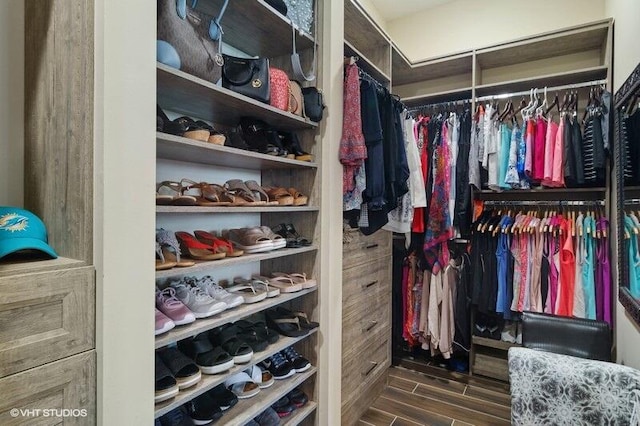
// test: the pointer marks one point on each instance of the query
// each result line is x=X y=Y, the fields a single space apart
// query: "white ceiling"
x=392 y=9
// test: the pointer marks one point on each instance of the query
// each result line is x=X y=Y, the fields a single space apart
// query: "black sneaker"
x=203 y=410
x=177 y=417
x=223 y=397
x=298 y=362
x=298 y=397
x=278 y=366
x=283 y=407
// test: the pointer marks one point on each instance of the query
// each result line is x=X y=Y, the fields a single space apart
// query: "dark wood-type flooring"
x=420 y=394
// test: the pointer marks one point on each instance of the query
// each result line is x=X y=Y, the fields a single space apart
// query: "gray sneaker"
x=200 y=303
x=209 y=286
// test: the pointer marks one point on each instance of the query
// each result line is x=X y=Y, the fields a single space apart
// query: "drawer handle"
x=372 y=283
x=370 y=246
x=370 y=326
x=370 y=370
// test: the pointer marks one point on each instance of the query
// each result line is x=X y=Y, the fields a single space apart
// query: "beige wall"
x=466 y=24
x=11 y=102
x=626 y=56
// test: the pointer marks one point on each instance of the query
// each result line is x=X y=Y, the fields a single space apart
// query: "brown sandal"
x=259 y=193
x=281 y=195
x=299 y=199
x=208 y=196
x=169 y=192
x=239 y=189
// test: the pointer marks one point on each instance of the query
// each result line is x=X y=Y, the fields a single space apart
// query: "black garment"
x=568 y=159
x=631 y=126
x=389 y=149
x=434 y=130
x=576 y=142
x=594 y=157
x=462 y=304
x=372 y=130
x=462 y=211
x=544 y=272
x=402 y=165
x=628 y=170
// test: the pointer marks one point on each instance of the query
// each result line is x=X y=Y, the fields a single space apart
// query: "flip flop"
x=162 y=263
x=286 y=325
x=302 y=317
x=259 y=285
x=298 y=278
x=285 y=284
x=248 y=292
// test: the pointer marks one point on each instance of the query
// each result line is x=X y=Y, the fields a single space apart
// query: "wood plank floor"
x=420 y=394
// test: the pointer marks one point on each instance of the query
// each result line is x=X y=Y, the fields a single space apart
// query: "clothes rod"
x=457 y=102
x=543 y=203
x=549 y=89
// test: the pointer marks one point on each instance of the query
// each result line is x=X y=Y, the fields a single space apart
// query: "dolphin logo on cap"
x=13 y=222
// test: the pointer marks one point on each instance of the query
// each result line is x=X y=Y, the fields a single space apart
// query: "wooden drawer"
x=491 y=362
x=45 y=317
x=361 y=282
x=360 y=322
x=362 y=368
x=67 y=384
x=358 y=248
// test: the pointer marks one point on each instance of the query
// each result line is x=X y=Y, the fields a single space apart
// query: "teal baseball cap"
x=22 y=230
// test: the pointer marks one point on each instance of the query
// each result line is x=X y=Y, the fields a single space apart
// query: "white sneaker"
x=509 y=333
x=199 y=302
x=209 y=286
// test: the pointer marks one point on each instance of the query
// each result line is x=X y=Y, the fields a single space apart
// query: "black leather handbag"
x=313 y=103
x=249 y=77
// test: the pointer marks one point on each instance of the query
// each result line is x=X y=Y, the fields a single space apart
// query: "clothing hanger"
x=540 y=109
x=555 y=103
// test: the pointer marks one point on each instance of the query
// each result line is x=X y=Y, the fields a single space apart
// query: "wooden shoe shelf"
x=255 y=28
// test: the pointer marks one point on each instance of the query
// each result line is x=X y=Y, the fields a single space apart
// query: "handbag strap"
x=215 y=29
x=295 y=57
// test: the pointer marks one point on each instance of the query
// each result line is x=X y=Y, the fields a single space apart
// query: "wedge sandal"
x=238 y=188
x=259 y=193
x=280 y=195
x=218 y=244
x=299 y=199
x=205 y=194
x=171 y=249
x=195 y=249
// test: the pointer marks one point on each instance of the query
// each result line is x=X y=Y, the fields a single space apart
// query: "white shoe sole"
x=247 y=395
x=186 y=320
x=257 y=248
x=168 y=326
x=166 y=394
x=236 y=303
x=280 y=245
x=187 y=382
x=210 y=313
x=217 y=369
x=291 y=373
x=243 y=359
x=303 y=369
x=200 y=422
x=266 y=385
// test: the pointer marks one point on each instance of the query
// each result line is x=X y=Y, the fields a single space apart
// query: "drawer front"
x=45 y=317
x=63 y=388
x=359 y=326
x=362 y=368
x=364 y=281
x=358 y=248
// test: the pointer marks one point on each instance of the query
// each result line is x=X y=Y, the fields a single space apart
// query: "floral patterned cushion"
x=553 y=389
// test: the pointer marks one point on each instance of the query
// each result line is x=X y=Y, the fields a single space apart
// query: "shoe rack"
x=256 y=29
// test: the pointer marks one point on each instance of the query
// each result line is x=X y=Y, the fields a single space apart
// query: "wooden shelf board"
x=496 y=344
x=197 y=98
x=209 y=381
x=547 y=46
x=20 y=264
x=444 y=96
x=223 y=209
x=232 y=315
x=300 y=414
x=557 y=79
x=360 y=30
x=406 y=73
x=202 y=266
x=270 y=34
x=247 y=409
x=365 y=64
x=547 y=194
x=177 y=148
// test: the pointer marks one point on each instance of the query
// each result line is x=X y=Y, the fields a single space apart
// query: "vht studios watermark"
x=48 y=412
